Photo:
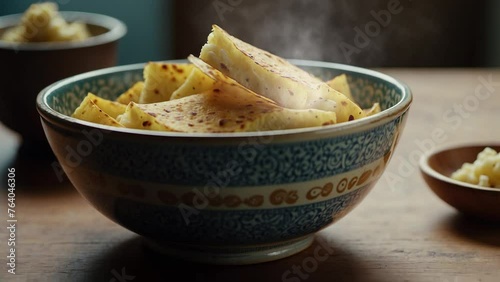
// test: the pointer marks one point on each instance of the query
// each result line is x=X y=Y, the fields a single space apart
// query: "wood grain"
x=401 y=232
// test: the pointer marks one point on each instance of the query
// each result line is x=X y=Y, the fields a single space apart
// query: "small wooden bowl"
x=438 y=165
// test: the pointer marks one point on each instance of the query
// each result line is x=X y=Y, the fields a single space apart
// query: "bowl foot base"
x=230 y=255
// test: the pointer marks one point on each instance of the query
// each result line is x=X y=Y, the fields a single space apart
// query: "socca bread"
x=274 y=77
x=233 y=87
x=228 y=107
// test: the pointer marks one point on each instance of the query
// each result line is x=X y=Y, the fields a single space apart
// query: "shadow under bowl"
x=27 y=68
x=224 y=198
x=436 y=168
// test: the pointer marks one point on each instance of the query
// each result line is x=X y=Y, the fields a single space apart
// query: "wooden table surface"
x=400 y=232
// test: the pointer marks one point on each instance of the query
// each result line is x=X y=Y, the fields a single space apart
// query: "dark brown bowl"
x=438 y=165
x=27 y=68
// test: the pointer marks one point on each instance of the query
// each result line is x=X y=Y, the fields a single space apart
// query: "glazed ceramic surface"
x=232 y=198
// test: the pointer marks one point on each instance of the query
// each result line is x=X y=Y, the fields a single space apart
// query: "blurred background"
x=380 y=33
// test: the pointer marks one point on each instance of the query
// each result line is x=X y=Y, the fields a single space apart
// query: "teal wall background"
x=152 y=30
x=149 y=24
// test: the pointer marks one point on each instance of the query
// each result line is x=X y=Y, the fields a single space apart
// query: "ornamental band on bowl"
x=225 y=197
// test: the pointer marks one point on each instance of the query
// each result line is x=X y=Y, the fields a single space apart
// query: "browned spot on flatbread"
x=224 y=67
x=222 y=122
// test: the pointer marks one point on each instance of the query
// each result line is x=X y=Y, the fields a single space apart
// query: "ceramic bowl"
x=27 y=68
x=228 y=198
x=438 y=165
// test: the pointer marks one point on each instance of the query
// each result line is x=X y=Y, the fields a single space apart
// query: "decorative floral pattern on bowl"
x=225 y=198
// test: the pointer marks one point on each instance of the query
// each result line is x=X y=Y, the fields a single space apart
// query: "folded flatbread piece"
x=228 y=107
x=274 y=77
x=161 y=80
x=99 y=110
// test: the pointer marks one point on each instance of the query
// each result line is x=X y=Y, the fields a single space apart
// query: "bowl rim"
x=116 y=30
x=398 y=109
x=428 y=170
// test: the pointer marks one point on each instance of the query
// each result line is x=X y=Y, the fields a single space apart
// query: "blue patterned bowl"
x=236 y=198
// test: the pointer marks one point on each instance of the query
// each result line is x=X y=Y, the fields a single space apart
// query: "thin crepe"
x=229 y=107
x=274 y=77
